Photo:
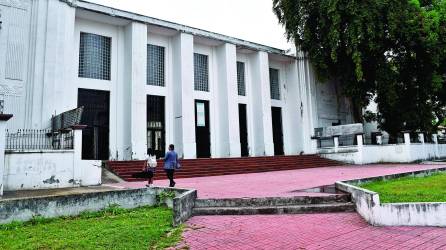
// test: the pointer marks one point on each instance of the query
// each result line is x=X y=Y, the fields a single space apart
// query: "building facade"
x=145 y=83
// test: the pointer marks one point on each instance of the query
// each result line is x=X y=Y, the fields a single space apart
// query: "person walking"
x=170 y=164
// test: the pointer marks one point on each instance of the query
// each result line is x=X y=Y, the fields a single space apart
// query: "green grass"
x=410 y=189
x=113 y=228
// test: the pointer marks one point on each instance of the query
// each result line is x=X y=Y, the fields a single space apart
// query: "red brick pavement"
x=305 y=231
x=279 y=183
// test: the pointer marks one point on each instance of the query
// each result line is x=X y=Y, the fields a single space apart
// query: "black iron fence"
x=39 y=139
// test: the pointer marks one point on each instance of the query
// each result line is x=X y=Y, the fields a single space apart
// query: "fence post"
x=336 y=142
x=407 y=152
x=3 y=119
x=360 y=146
x=406 y=137
x=435 y=141
x=77 y=147
x=421 y=137
x=379 y=138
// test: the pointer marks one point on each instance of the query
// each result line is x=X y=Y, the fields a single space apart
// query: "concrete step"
x=272 y=201
x=293 y=209
x=224 y=166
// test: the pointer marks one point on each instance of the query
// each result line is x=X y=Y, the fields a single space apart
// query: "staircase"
x=277 y=205
x=224 y=166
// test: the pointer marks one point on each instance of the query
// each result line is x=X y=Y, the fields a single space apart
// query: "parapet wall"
x=368 y=204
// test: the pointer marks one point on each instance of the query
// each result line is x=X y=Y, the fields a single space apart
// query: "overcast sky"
x=251 y=20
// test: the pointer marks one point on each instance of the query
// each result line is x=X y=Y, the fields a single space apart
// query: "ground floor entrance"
x=96 y=115
x=156 y=126
x=202 y=129
x=276 y=114
x=244 y=148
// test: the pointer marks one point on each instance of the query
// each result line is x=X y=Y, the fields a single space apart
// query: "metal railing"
x=39 y=139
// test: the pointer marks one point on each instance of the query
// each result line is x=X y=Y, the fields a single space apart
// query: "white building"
x=145 y=83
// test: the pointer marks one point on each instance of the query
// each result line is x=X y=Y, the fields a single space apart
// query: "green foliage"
x=164 y=195
x=389 y=51
x=112 y=228
x=410 y=189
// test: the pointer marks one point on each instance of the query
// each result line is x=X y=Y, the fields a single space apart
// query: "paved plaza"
x=301 y=231
x=279 y=183
x=305 y=231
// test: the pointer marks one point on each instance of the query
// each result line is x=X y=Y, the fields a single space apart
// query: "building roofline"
x=94 y=7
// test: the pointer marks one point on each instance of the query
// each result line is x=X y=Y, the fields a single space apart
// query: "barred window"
x=155 y=65
x=94 y=56
x=201 y=72
x=241 y=78
x=274 y=83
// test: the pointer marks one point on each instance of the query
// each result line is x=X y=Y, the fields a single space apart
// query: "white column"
x=293 y=139
x=183 y=80
x=262 y=63
x=136 y=63
x=3 y=119
x=57 y=66
x=306 y=105
x=226 y=96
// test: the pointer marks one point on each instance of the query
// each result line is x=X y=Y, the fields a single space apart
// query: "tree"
x=391 y=51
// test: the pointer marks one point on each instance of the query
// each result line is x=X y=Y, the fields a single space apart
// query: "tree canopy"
x=389 y=51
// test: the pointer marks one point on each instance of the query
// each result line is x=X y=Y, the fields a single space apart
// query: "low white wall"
x=398 y=153
x=368 y=205
x=36 y=170
x=48 y=169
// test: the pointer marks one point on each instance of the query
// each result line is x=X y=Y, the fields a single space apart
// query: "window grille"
x=274 y=83
x=94 y=56
x=241 y=78
x=201 y=72
x=155 y=65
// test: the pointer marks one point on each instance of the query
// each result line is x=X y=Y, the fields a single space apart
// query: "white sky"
x=251 y=20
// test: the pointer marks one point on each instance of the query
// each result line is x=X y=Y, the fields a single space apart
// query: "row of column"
x=297 y=110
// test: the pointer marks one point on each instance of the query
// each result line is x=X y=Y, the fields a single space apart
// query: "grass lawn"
x=113 y=228
x=411 y=189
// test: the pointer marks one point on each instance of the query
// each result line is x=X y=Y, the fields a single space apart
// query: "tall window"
x=201 y=72
x=155 y=65
x=274 y=83
x=94 y=56
x=241 y=78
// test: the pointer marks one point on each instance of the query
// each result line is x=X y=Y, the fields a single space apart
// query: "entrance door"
x=243 y=130
x=277 y=130
x=155 y=126
x=202 y=129
x=96 y=115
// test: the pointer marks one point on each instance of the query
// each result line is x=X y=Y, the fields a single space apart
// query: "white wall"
x=331 y=104
x=395 y=153
x=33 y=169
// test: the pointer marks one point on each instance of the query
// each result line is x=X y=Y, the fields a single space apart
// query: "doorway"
x=276 y=114
x=156 y=143
x=202 y=129
x=242 y=117
x=96 y=115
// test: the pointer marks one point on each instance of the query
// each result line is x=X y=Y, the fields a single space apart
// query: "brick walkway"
x=302 y=231
x=310 y=231
x=279 y=183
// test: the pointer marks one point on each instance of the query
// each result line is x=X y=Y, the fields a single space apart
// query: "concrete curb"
x=50 y=206
x=368 y=204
